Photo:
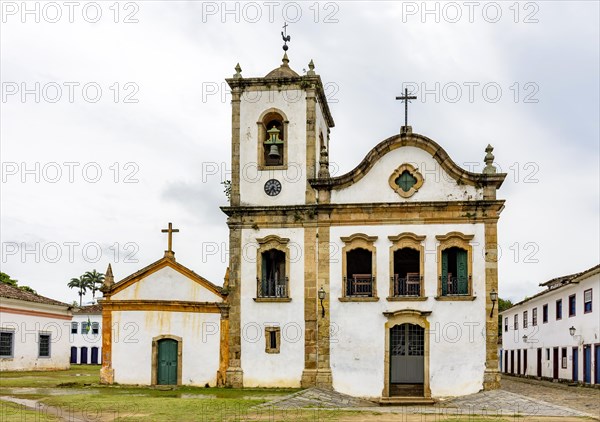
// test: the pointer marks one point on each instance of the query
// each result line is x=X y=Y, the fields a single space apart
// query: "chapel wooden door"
x=167 y=362
x=406 y=354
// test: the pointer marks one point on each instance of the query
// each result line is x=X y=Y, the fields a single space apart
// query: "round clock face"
x=272 y=187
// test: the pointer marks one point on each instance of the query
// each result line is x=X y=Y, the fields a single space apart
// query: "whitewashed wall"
x=263 y=369
x=375 y=187
x=167 y=284
x=554 y=333
x=253 y=104
x=26 y=330
x=88 y=339
x=457 y=337
x=133 y=332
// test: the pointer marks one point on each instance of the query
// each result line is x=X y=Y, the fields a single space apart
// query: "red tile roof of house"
x=11 y=292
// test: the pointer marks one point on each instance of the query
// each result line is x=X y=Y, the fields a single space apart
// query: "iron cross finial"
x=406 y=98
x=286 y=38
x=170 y=232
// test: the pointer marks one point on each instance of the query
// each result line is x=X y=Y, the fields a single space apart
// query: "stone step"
x=405 y=401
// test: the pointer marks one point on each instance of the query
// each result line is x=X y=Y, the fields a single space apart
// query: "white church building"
x=379 y=283
x=555 y=334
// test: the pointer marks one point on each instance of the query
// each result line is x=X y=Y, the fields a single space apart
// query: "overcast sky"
x=115 y=120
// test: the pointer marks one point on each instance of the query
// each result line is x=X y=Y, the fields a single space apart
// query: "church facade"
x=377 y=283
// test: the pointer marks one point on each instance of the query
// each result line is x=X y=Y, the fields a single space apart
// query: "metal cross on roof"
x=406 y=98
x=170 y=232
x=286 y=38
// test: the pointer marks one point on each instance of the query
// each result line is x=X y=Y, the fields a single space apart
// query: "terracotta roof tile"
x=89 y=309
x=10 y=292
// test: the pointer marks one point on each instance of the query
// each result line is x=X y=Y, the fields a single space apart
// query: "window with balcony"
x=455 y=266
x=273 y=266
x=358 y=267
x=406 y=266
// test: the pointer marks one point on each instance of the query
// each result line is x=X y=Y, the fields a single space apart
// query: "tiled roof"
x=557 y=283
x=90 y=309
x=10 y=292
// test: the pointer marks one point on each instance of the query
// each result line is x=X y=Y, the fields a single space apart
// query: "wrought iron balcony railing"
x=407 y=286
x=359 y=285
x=272 y=287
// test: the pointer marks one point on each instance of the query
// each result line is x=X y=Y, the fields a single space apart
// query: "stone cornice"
x=415 y=140
x=280 y=83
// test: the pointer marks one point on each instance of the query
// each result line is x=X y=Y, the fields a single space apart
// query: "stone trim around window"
x=412 y=241
x=266 y=244
x=262 y=136
x=363 y=241
x=413 y=172
x=268 y=345
x=459 y=240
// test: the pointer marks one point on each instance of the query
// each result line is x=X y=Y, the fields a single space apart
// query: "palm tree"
x=80 y=283
x=95 y=280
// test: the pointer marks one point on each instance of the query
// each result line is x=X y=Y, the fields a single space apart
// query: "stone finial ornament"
x=311 y=69
x=109 y=279
x=238 y=71
x=489 y=161
x=324 y=164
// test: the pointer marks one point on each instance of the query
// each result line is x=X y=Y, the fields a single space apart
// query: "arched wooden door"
x=167 y=362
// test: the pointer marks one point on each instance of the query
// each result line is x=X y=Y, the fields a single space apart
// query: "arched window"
x=358 y=266
x=272 y=139
x=407 y=269
x=273 y=281
x=455 y=273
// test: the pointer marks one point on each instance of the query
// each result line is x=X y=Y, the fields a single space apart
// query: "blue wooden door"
x=587 y=364
x=73 y=354
x=597 y=366
x=575 y=364
x=94 y=358
x=167 y=362
x=83 y=355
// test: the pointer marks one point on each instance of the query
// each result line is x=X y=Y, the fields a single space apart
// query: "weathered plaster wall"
x=374 y=186
x=26 y=329
x=260 y=368
x=457 y=328
x=167 y=284
x=133 y=332
x=253 y=104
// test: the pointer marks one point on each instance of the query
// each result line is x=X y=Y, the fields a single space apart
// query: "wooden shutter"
x=444 y=273
x=463 y=272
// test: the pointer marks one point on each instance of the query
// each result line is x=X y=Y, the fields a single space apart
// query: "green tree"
x=5 y=278
x=80 y=283
x=95 y=280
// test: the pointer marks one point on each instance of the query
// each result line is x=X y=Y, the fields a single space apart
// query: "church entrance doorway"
x=406 y=360
x=167 y=362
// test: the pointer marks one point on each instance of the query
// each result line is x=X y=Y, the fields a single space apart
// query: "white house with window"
x=34 y=331
x=86 y=335
x=555 y=334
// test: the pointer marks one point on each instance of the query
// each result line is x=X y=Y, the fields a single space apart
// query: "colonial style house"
x=86 y=335
x=378 y=283
x=33 y=331
x=555 y=334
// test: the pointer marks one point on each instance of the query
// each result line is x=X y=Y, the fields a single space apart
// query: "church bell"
x=274 y=152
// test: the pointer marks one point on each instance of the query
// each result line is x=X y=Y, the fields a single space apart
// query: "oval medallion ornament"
x=406 y=180
x=272 y=187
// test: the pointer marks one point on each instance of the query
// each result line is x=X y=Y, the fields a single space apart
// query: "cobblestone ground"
x=518 y=397
x=579 y=398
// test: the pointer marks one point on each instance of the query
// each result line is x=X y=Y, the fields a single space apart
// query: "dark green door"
x=167 y=362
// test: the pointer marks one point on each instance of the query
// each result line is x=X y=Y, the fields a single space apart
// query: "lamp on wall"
x=322 y=298
x=493 y=298
x=525 y=339
x=572 y=331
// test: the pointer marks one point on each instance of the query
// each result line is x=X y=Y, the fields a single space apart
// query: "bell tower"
x=280 y=132
x=280 y=125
